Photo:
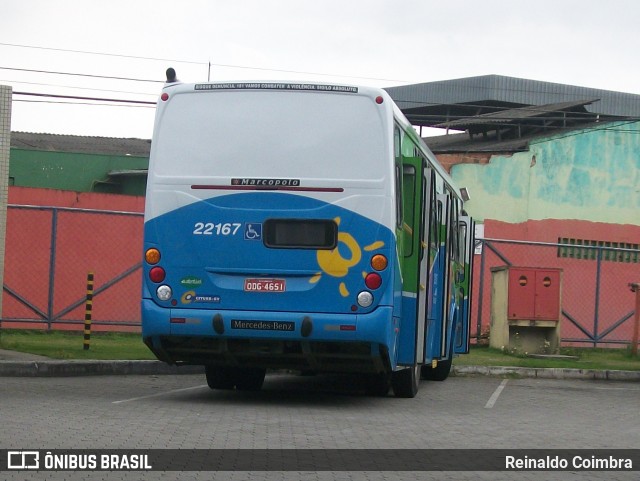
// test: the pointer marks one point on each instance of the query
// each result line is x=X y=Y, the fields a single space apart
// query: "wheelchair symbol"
x=252 y=231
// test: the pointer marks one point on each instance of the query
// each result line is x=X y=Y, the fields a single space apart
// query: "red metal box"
x=534 y=294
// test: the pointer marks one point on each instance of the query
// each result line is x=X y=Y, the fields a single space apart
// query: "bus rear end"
x=270 y=231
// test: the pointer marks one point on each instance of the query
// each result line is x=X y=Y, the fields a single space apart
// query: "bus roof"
x=279 y=85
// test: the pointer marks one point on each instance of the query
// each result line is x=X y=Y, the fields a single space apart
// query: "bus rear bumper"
x=277 y=340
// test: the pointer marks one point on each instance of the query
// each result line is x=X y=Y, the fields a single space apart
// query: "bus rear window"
x=300 y=234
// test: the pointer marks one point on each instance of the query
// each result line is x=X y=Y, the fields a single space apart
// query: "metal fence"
x=597 y=305
x=50 y=251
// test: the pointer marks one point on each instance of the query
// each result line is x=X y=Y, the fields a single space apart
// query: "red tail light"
x=373 y=280
x=157 y=274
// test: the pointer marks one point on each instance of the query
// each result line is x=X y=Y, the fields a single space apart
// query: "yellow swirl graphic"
x=332 y=261
x=315 y=278
x=374 y=246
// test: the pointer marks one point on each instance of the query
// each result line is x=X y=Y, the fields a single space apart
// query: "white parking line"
x=496 y=394
x=158 y=394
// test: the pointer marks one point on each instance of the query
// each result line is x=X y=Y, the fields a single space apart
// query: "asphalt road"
x=318 y=412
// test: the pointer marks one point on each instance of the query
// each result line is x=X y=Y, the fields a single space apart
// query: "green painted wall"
x=76 y=172
x=591 y=174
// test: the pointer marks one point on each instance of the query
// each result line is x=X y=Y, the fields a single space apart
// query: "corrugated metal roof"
x=510 y=116
x=492 y=142
x=80 y=144
x=497 y=89
x=456 y=143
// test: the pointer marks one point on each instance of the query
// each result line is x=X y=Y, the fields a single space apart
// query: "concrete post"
x=635 y=287
x=5 y=143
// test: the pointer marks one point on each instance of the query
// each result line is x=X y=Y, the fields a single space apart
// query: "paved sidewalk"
x=7 y=355
x=13 y=363
x=548 y=373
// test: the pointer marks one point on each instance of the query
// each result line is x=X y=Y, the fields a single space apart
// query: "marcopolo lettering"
x=267 y=182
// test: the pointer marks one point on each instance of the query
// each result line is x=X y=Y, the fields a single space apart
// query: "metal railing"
x=597 y=306
x=50 y=250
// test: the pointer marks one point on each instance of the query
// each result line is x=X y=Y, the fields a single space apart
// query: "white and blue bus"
x=301 y=226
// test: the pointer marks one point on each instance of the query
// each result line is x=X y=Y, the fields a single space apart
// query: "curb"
x=111 y=368
x=547 y=373
x=90 y=368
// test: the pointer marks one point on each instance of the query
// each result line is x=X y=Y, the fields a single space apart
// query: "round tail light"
x=157 y=274
x=152 y=256
x=379 y=262
x=373 y=280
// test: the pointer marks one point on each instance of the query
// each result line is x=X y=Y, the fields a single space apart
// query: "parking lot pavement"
x=492 y=408
x=317 y=412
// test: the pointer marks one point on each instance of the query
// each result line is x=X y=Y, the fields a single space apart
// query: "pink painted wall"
x=582 y=298
x=106 y=244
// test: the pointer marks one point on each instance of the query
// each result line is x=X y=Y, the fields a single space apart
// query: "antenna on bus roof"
x=171 y=76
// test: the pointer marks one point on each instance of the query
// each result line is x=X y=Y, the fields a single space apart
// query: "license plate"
x=264 y=285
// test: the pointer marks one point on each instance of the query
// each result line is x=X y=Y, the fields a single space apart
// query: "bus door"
x=428 y=249
x=415 y=270
x=426 y=258
x=441 y=272
x=466 y=228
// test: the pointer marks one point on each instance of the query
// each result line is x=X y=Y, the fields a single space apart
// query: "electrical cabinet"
x=526 y=309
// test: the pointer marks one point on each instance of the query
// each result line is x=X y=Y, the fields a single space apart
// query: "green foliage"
x=70 y=345
x=129 y=346
x=588 y=358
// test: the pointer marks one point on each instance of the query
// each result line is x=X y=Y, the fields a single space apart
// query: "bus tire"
x=250 y=379
x=219 y=377
x=405 y=382
x=378 y=384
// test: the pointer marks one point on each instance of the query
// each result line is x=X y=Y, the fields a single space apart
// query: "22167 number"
x=210 y=228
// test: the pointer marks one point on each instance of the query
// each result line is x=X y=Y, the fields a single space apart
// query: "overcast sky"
x=372 y=42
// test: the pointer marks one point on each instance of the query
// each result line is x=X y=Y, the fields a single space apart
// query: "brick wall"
x=449 y=160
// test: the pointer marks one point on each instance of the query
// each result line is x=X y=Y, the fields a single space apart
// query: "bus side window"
x=462 y=231
x=399 y=203
x=409 y=200
x=397 y=138
x=397 y=146
x=454 y=243
x=438 y=219
x=433 y=216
